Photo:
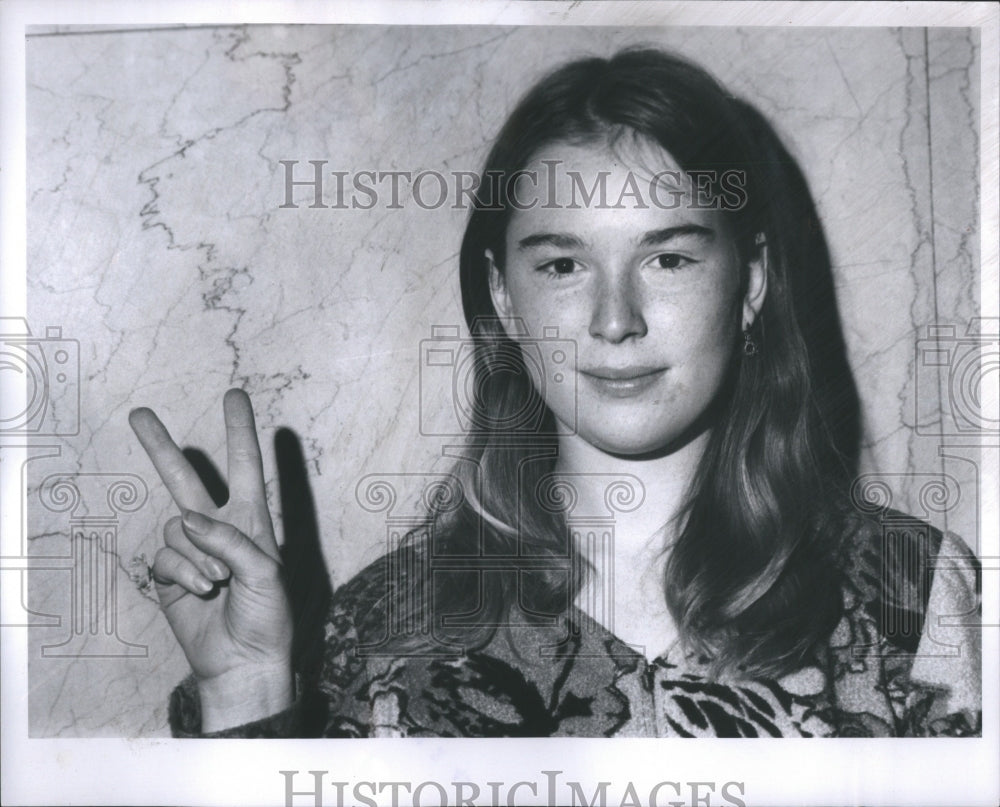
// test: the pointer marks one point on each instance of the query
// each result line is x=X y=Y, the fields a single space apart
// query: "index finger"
x=246 y=471
x=176 y=472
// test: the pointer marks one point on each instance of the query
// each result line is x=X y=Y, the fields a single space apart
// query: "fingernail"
x=196 y=522
x=216 y=570
x=203 y=585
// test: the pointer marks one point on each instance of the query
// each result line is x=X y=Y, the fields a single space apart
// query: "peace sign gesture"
x=219 y=577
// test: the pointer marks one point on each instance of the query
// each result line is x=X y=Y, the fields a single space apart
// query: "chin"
x=634 y=445
x=644 y=438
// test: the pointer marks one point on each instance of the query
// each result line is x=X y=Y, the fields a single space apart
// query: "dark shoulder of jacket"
x=361 y=608
x=384 y=608
x=330 y=636
x=891 y=558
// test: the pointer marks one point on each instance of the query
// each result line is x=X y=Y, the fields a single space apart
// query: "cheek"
x=713 y=310
x=701 y=323
x=540 y=307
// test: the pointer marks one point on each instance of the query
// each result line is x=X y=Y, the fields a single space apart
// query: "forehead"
x=628 y=184
x=618 y=147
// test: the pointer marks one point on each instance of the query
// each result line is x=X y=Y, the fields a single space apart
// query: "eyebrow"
x=654 y=237
x=651 y=238
x=560 y=240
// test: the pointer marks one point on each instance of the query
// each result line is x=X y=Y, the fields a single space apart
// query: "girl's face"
x=651 y=296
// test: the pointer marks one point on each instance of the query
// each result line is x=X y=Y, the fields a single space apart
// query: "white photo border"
x=773 y=772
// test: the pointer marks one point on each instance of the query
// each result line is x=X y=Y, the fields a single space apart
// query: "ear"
x=498 y=291
x=756 y=283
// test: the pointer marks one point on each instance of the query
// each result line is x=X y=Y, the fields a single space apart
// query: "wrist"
x=244 y=695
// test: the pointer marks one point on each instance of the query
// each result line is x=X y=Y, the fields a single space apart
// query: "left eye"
x=671 y=260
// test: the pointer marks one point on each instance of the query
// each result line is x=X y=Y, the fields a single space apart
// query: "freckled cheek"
x=694 y=321
x=701 y=315
x=540 y=309
x=714 y=331
x=698 y=351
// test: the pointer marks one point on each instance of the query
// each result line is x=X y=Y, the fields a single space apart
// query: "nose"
x=617 y=311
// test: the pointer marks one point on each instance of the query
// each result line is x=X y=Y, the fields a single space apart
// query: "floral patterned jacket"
x=903 y=661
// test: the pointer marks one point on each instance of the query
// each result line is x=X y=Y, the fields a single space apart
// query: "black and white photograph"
x=575 y=378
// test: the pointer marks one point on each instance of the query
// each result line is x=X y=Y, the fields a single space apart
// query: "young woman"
x=644 y=276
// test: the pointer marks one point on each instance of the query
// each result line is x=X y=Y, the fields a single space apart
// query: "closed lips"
x=622 y=373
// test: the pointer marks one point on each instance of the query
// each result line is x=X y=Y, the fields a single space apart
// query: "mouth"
x=623 y=382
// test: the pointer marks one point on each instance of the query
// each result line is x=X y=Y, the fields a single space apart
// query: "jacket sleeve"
x=905 y=659
x=184 y=714
x=947 y=665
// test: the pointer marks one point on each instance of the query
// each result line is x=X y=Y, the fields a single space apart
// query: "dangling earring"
x=750 y=347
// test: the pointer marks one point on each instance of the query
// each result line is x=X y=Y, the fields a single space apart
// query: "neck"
x=659 y=482
x=624 y=589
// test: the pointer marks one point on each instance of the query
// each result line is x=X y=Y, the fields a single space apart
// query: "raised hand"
x=219 y=578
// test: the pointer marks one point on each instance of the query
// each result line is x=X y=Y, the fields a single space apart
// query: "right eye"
x=559 y=267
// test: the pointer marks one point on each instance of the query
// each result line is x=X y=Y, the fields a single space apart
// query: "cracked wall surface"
x=156 y=239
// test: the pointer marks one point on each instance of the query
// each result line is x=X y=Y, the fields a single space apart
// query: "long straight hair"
x=750 y=579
